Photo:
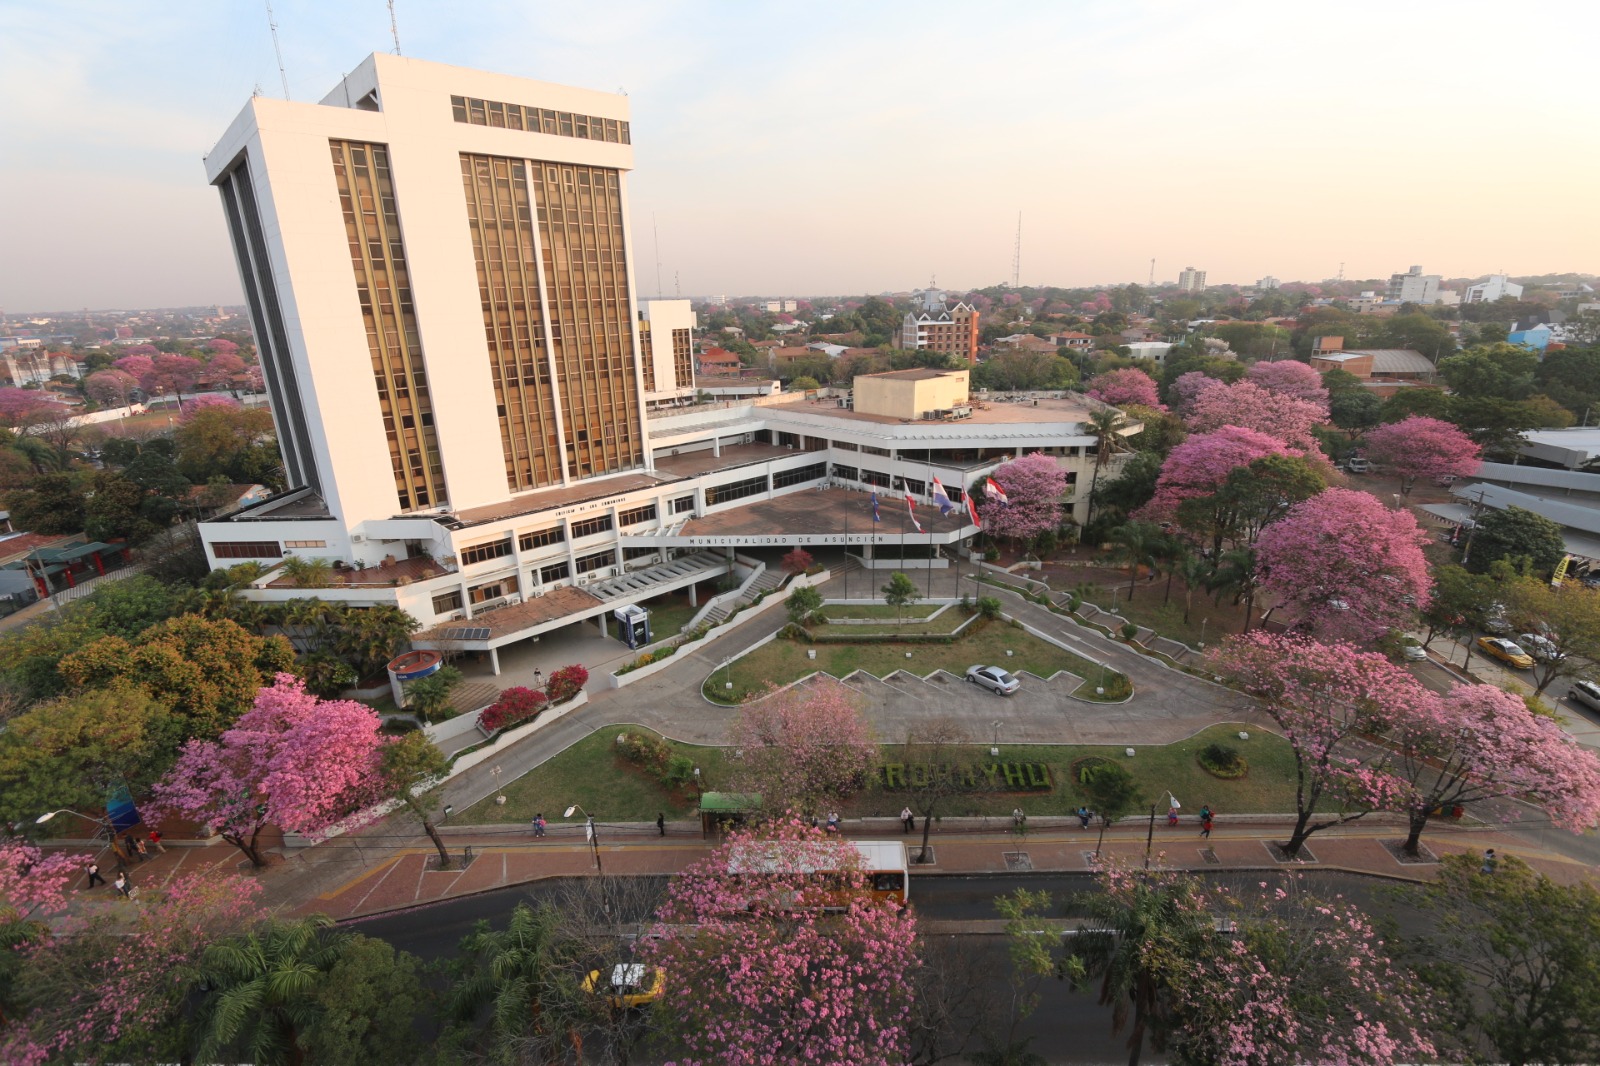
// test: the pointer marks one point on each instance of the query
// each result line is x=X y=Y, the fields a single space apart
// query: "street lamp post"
x=103 y=825
x=1203 y=622
x=699 y=785
x=500 y=797
x=589 y=830
x=995 y=750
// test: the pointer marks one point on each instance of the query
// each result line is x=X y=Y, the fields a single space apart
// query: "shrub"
x=515 y=705
x=1085 y=769
x=430 y=696
x=679 y=770
x=991 y=555
x=1220 y=760
x=645 y=750
x=1129 y=630
x=989 y=606
x=566 y=683
x=1073 y=603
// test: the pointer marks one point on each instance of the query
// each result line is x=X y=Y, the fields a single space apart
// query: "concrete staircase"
x=769 y=580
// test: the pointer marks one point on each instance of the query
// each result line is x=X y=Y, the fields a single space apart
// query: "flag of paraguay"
x=993 y=489
x=942 y=498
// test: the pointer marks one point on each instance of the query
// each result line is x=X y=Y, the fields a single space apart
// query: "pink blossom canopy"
x=1125 y=386
x=1250 y=406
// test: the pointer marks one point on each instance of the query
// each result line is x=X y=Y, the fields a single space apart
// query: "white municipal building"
x=480 y=420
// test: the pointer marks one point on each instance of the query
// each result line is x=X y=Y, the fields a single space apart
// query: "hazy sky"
x=861 y=147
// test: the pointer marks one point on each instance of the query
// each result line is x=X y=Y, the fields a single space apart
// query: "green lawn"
x=782 y=661
x=590 y=774
x=877 y=610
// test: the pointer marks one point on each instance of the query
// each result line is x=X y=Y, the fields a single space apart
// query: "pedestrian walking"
x=94 y=875
x=1205 y=826
x=908 y=821
x=538 y=680
x=121 y=885
x=1205 y=812
x=142 y=848
x=132 y=848
x=661 y=824
x=1083 y=817
x=538 y=825
x=155 y=841
x=1489 y=862
x=1172 y=816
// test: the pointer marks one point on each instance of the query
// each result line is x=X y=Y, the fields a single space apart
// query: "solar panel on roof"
x=467 y=633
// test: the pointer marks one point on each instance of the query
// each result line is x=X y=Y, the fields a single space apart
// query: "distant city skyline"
x=864 y=149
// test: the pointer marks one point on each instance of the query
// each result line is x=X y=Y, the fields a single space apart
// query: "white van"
x=1357 y=465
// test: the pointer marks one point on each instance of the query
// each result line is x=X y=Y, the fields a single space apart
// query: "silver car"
x=994 y=679
x=1586 y=693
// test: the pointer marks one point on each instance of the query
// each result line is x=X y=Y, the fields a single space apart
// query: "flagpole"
x=847 y=553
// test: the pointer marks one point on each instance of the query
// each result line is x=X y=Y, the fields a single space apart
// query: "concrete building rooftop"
x=820 y=512
x=990 y=412
x=561 y=496
x=690 y=464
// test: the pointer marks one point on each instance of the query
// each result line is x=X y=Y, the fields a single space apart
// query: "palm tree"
x=1195 y=571
x=1140 y=941
x=1104 y=426
x=260 y=989
x=370 y=637
x=308 y=572
x=521 y=976
x=1236 y=574
x=1137 y=544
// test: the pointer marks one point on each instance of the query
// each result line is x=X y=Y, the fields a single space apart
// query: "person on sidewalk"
x=1018 y=819
x=661 y=824
x=1172 y=816
x=1205 y=812
x=155 y=841
x=129 y=845
x=833 y=823
x=121 y=885
x=142 y=848
x=538 y=825
x=94 y=875
x=1205 y=827
x=1083 y=817
x=908 y=821
x=1489 y=862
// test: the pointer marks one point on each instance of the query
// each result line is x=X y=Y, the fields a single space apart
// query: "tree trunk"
x=1418 y=819
x=927 y=828
x=1133 y=579
x=433 y=834
x=1168 y=597
x=1301 y=834
x=248 y=847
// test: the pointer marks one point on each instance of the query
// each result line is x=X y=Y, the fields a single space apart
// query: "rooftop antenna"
x=677 y=290
x=656 y=229
x=394 y=28
x=272 y=24
x=1341 y=270
x=1152 y=273
x=1016 y=256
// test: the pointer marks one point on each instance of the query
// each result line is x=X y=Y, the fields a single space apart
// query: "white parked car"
x=1586 y=693
x=1414 y=653
x=1539 y=647
x=1357 y=465
x=994 y=679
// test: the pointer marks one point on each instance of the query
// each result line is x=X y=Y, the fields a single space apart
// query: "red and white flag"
x=911 y=509
x=994 y=490
x=972 y=509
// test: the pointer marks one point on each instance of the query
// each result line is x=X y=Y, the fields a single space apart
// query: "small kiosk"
x=722 y=811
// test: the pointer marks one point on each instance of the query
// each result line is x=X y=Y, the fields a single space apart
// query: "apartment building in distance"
x=1192 y=280
x=1414 y=287
x=480 y=421
x=938 y=326
x=1492 y=288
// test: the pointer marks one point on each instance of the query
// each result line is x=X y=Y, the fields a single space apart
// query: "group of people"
x=1206 y=819
x=129 y=848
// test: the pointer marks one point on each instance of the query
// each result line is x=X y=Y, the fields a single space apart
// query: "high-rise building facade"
x=1414 y=287
x=939 y=326
x=1192 y=280
x=1495 y=287
x=487 y=307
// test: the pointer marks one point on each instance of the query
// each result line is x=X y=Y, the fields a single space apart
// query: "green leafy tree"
x=804 y=383
x=803 y=601
x=1459 y=604
x=1517 y=958
x=308 y=572
x=515 y=983
x=1136 y=544
x=1130 y=490
x=1430 y=403
x=1571 y=377
x=1112 y=792
x=52 y=504
x=366 y=1007
x=1106 y=426
x=1568 y=618
x=412 y=766
x=1513 y=534
x=900 y=593
x=1251 y=498
x=1495 y=371
x=1354 y=411
x=128 y=607
x=69 y=751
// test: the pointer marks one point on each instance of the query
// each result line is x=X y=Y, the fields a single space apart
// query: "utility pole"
x=1016 y=256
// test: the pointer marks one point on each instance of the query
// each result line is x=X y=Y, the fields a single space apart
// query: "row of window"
x=480 y=553
x=737 y=490
x=637 y=515
x=475 y=112
x=814 y=472
x=590 y=526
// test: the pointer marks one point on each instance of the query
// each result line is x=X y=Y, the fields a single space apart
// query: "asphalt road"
x=1065 y=1026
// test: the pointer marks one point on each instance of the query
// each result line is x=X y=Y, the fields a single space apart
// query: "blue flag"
x=875 y=516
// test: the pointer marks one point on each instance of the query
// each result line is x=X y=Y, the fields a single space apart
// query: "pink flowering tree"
x=1250 y=406
x=1291 y=378
x=1343 y=566
x=208 y=402
x=802 y=748
x=115 y=989
x=255 y=380
x=1033 y=485
x=292 y=760
x=136 y=364
x=1125 y=386
x=32 y=885
x=1300 y=980
x=1324 y=699
x=1420 y=447
x=759 y=974
x=221 y=368
x=1201 y=465
x=221 y=345
x=1186 y=388
x=174 y=374
x=1479 y=743
x=23 y=408
x=110 y=388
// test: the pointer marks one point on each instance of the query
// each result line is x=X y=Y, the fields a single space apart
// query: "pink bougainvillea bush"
x=566 y=683
x=758 y=973
x=515 y=705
